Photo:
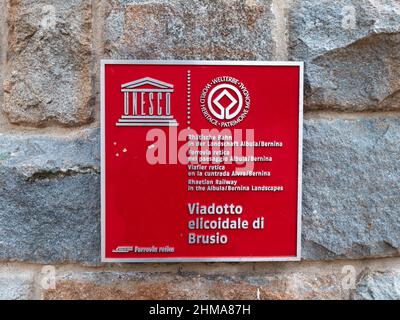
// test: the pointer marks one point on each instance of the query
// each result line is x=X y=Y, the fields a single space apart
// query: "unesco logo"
x=225 y=101
x=147 y=102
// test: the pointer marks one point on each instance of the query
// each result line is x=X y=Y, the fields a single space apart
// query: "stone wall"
x=50 y=54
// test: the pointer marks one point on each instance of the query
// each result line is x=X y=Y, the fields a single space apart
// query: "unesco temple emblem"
x=147 y=102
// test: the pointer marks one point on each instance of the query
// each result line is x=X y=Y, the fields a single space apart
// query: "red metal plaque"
x=201 y=160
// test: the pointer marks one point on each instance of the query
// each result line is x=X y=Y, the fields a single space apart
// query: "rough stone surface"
x=378 y=285
x=351 y=63
x=15 y=285
x=351 y=186
x=48 y=78
x=135 y=285
x=2 y=48
x=50 y=183
x=49 y=197
x=190 y=29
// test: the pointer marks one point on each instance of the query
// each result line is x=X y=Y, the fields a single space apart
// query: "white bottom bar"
x=147 y=117
x=147 y=121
